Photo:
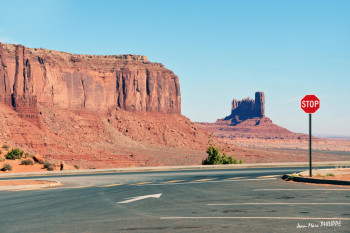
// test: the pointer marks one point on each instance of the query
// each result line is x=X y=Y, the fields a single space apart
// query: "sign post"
x=310 y=104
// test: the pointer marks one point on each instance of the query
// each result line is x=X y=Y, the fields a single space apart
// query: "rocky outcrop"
x=248 y=121
x=84 y=82
x=247 y=109
x=94 y=111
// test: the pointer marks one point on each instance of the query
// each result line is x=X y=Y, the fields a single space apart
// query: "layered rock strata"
x=84 y=82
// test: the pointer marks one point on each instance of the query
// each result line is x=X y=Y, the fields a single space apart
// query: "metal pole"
x=310 y=161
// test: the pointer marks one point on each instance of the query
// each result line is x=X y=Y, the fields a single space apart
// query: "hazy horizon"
x=220 y=50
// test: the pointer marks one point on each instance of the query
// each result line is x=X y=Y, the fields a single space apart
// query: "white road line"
x=301 y=189
x=213 y=181
x=272 y=218
x=132 y=199
x=225 y=204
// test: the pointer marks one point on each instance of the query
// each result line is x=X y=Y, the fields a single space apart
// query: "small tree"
x=14 y=154
x=214 y=156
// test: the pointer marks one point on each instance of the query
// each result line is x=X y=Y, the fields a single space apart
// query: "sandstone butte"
x=248 y=120
x=94 y=110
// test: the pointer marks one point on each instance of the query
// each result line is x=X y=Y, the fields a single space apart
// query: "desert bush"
x=49 y=166
x=214 y=157
x=7 y=167
x=2 y=159
x=27 y=162
x=14 y=154
x=6 y=147
x=77 y=166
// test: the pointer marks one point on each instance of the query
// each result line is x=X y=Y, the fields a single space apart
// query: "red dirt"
x=23 y=182
x=333 y=175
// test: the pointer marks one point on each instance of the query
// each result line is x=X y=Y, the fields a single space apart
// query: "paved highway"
x=237 y=200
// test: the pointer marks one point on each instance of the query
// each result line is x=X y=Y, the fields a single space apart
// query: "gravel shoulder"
x=337 y=176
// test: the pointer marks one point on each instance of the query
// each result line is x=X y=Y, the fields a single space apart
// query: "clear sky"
x=220 y=50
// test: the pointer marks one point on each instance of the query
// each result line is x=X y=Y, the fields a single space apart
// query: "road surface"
x=237 y=200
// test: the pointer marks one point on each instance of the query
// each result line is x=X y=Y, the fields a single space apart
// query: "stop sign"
x=310 y=104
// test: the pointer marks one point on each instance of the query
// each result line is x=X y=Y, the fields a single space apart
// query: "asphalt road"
x=239 y=200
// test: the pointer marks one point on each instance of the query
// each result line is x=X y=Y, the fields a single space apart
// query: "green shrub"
x=27 y=162
x=7 y=167
x=6 y=147
x=14 y=154
x=77 y=166
x=214 y=157
x=49 y=166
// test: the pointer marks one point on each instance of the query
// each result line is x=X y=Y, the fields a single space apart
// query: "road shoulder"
x=15 y=185
x=338 y=176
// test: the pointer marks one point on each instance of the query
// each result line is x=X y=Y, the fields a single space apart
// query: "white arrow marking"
x=132 y=199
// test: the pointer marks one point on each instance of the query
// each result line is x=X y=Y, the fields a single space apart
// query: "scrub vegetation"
x=215 y=157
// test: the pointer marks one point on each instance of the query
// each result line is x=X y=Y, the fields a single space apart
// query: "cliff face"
x=99 y=111
x=247 y=108
x=77 y=82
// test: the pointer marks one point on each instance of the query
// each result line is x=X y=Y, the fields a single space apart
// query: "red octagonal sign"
x=310 y=104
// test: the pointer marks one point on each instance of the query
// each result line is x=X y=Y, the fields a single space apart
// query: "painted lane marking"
x=110 y=185
x=204 y=180
x=141 y=183
x=301 y=189
x=213 y=181
x=226 y=204
x=235 y=178
x=272 y=218
x=268 y=176
x=80 y=187
x=132 y=199
x=172 y=181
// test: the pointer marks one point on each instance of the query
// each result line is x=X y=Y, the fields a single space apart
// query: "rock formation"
x=247 y=109
x=248 y=121
x=98 y=111
x=84 y=82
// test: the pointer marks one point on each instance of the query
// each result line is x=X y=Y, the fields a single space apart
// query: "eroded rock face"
x=247 y=109
x=97 y=83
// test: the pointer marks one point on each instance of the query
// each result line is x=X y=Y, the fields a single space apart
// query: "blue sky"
x=220 y=50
